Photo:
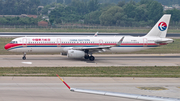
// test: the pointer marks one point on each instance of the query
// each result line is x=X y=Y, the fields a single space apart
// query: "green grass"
x=76 y=30
x=152 y=88
x=151 y=71
x=170 y=48
x=3 y=42
x=123 y=30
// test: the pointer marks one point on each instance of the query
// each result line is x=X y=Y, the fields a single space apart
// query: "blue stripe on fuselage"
x=80 y=46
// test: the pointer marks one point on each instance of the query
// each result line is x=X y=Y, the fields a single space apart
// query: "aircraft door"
x=100 y=42
x=58 y=42
x=24 y=41
x=145 y=42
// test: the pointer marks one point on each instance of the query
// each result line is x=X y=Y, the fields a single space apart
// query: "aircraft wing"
x=99 y=48
x=93 y=49
x=123 y=95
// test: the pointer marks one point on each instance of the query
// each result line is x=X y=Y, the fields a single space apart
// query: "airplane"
x=84 y=47
x=118 y=94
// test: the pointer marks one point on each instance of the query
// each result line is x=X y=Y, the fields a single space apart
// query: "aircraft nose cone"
x=6 y=46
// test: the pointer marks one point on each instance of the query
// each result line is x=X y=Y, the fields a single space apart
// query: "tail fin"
x=161 y=27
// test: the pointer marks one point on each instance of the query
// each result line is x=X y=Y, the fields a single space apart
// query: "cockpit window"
x=13 y=42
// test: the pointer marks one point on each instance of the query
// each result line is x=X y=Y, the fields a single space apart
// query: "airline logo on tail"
x=162 y=26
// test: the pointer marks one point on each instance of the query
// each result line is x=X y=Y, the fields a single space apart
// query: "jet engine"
x=75 y=54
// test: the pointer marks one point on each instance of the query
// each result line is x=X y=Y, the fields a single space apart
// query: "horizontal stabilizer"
x=165 y=40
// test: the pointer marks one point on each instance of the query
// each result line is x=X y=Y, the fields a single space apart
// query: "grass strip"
x=152 y=88
x=150 y=71
x=126 y=30
x=104 y=30
x=170 y=48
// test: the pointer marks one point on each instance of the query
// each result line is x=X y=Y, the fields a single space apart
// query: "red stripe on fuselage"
x=96 y=44
x=138 y=43
x=163 y=43
x=10 y=45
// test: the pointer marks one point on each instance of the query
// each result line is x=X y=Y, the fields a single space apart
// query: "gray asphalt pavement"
x=101 y=60
x=52 y=89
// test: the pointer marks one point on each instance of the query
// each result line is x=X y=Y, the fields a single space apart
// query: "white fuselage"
x=63 y=44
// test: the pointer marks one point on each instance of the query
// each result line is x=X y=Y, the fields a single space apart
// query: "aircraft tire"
x=91 y=58
x=24 y=58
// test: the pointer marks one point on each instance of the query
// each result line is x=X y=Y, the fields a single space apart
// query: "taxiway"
x=101 y=60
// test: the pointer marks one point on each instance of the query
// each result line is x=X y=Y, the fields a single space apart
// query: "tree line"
x=18 y=21
x=18 y=7
x=142 y=13
x=74 y=12
x=67 y=2
x=93 y=12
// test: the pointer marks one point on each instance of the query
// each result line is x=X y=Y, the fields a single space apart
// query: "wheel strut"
x=86 y=56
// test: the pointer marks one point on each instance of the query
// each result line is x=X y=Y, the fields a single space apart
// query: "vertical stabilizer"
x=161 y=27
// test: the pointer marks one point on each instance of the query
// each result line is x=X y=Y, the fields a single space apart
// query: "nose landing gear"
x=24 y=57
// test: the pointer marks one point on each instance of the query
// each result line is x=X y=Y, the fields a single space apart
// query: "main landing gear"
x=91 y=58
x=24 y=57
x=86 y=56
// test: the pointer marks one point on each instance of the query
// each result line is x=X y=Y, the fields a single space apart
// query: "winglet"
x=120 y=41
x=95 y=35
x=63 y=81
